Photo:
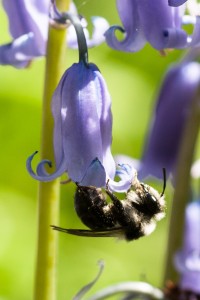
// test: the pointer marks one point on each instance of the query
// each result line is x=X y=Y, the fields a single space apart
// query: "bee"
x=128 y=219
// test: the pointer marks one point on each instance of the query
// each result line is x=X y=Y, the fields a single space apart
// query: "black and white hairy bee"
x=128 y=219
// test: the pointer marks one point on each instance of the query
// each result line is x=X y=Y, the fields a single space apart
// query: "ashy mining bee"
x=128 y=219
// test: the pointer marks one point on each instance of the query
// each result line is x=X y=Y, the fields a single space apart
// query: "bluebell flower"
x=187 y=261
x=149 y=21
x=81 y=108
x=28 y=24
x=170 y=114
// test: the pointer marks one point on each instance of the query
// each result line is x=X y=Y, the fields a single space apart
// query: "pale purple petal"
x=176 y=2
x=125 y=159
x=161 y=24
x=134 y=39
x=100 y=25
x=95 y=175
x=126 y=174
x=28 y=16
x=170 y=114
x=187 y=261
x=20 y=52
x=44 y=176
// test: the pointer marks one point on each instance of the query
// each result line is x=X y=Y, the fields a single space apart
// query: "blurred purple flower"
x=176 y=3
x=81 y=109
x=153 y=22
x=170 y=114
x=28 y=23
x=187 y=261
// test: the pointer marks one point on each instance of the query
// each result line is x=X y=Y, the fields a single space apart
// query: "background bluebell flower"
x=172 y=107
x=28 y=24
x=187 y=261
x=150 y=21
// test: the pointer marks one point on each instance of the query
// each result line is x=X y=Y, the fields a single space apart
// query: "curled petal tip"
x=126 y=174
x=41 y=174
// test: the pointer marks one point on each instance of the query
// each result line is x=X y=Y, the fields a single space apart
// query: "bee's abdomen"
x=92 y=208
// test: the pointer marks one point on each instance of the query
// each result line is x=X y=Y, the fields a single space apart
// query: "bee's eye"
x=151 y=198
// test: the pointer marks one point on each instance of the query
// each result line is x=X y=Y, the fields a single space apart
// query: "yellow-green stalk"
x=182 y=187
x=48 y=196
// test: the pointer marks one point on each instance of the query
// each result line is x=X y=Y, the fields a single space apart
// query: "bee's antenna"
x=164 y=182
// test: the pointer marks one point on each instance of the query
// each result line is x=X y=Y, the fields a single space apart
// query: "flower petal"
x=134 y=39
x=43 y=175
x=28 y=16
x=126 y=174
x=170 y=114
x=20 y=52
x=100 y=25
x=95 y=175
x=161 y=24
x=125 y=159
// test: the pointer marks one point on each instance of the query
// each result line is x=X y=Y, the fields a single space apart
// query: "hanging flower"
x=187 y=261
x=81 y=109
x=149 y=21
x=171 y=111
x=28 y=23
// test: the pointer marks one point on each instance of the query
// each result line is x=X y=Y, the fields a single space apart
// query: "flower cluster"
x=81 y=109
x=28 y=23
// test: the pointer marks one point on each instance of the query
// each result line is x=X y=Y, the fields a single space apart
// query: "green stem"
x=182 y=187
x=48 y=197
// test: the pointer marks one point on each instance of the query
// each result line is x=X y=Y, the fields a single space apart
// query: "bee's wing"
x=114 y=232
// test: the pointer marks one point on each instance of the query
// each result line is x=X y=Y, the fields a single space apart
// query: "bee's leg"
x=117 y=203
x=118 y=210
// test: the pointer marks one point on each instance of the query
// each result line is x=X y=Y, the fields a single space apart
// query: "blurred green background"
x=133 y=81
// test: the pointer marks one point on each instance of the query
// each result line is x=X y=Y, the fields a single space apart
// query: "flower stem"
x=62 y=18
x=48 y=196
x=182 y=186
